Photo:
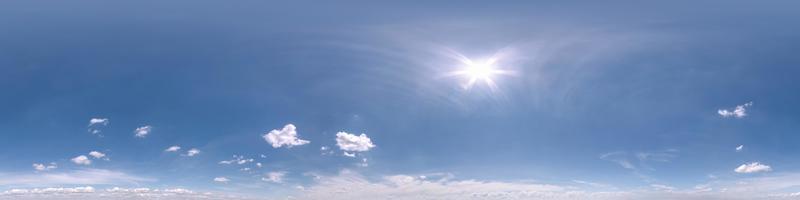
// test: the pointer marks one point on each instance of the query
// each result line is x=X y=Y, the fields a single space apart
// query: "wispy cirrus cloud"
x=76 y=177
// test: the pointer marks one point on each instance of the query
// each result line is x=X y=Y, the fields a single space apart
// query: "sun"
x=479 y=71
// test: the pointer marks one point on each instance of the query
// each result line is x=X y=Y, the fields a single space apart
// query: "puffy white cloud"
x=739 y=148
x=173 y=149
x=43 y=167
x=192 y=152
x=237 y=160
x=81 y=160
x=351 y=142
x=739 y=112
x=258 y=165
x=286 y=136
x=221 y=179
x=275 y=177
x=753 y=167
x=143 y=131
x=98 y=155
x=352 y=155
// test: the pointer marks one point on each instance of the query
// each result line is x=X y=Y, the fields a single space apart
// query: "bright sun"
x=479 y=71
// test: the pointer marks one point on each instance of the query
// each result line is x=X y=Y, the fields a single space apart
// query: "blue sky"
x=613 y=100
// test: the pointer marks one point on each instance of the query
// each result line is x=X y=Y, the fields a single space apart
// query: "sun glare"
x=482 y=71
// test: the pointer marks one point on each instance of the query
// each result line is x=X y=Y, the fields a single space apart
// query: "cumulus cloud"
x=286 y=136
x=739 y=112
x=739 y=148
x=98 y=155
x=275 y=177
x=43 y=167
x=352 y=155
x=173 y=149
x=221 y=179
x=192 y=152
x=143 y=131
x=351 y=142
x=753 y=167
x=81 y=160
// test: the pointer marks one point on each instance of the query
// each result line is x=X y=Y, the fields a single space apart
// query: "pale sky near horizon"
x=399 y=100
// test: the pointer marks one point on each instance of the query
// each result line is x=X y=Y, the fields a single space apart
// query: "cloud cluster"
x=351 y=142
x=96 y=123
x=143 y=131
x=43 y=167
x=284 y=137
x=739 y=112
x=90 y=193
x=237 y=160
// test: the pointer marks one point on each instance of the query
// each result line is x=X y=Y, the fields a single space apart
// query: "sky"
x=399 y=100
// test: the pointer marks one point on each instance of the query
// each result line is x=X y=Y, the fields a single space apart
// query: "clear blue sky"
x=611 y=100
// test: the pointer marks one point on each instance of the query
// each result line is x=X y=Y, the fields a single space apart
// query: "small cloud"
x=275 y=177
x=221 y=179
x=192 y=152
x=351 y=142
x=286 y=136
x=263 y=156
x=98 y=155
x=739 y=148
x=95 y=124
x=81 y=160
x=258 y=165
x=43 y=167
x=739 y=112
x=143 y=131
x=352 y=155
x=662 y=187
x=753 y=167
x=98 y=121
x=173 y=149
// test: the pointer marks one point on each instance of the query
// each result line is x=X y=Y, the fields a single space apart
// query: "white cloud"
x=753 y=167
x=95 y=124
x=98 y=121
x=192 y=152
x=739 y=112
x=352 y=155
x=173 y=149
x=81 y=160
x=237 y=160
x=43 y=167
x=258 y=165
x=739 y=148
x=286 y=136
x=221 y=179
x=275 y=177
x=143 y=131
x=351 y=142
x=98 y=155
